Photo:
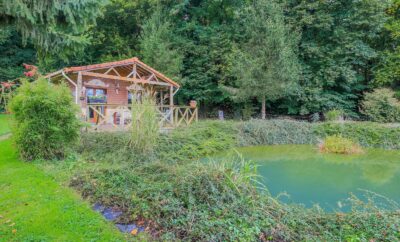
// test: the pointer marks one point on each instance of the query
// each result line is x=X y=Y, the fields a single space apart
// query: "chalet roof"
x=115 y=64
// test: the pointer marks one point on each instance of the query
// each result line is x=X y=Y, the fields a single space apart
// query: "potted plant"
x=97 y=99
x=193 y=104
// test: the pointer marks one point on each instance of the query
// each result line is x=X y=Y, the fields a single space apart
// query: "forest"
x=280 y=57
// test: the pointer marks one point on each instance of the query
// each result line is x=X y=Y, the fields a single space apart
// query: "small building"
x=105 y=91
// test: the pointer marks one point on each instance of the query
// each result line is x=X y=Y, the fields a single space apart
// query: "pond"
x=310 y=177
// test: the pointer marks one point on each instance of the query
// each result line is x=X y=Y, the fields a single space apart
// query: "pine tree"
x=156 y=46
x=52 y=25
x=265 y=65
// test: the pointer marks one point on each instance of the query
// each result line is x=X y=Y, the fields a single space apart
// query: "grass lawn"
x=4 y=123
x=33 y=207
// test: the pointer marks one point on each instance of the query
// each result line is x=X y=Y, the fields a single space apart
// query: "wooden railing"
x=114 y=116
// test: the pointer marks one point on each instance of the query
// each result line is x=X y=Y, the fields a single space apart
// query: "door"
x=96 y=98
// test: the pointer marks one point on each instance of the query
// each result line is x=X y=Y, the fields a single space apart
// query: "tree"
x=13 y=54
x=388 y=73
x=381 y=106
x=156 y=45
x=52 y=25
x=339 y=47
x=266 y=63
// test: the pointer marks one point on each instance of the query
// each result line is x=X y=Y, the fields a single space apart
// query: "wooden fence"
x=119 y=117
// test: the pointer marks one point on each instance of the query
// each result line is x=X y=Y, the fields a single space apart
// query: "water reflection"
x=311 y=177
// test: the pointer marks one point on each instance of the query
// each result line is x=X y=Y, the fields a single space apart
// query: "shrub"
x=273 y=132
x=333 y=115
x=381 y=106
x=339 y=145
x=198 y=140
x=145 y=126
x=367 y=134
x=45 y=120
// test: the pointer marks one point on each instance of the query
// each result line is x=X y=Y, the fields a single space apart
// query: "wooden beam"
x=121 y=78
x=73 y=83
x=79 y=88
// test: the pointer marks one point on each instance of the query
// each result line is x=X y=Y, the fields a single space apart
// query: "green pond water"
x=310 y=177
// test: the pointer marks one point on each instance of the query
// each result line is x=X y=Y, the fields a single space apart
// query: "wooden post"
x=171 y=103
x=79 y=88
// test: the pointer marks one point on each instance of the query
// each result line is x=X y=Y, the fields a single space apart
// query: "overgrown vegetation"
x=364 y=133
x=333 y=115
x=339 y=145
x=181 y=198
x=45 y=124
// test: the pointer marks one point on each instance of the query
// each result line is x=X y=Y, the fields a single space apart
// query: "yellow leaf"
x=134 y=231
x=14 y=231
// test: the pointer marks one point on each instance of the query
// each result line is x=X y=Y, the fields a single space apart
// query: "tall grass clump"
x=274 y=132
x=45 y=120
x=339 y=145
x=145 y=127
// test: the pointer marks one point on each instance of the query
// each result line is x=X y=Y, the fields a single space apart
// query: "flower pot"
x=193 y=104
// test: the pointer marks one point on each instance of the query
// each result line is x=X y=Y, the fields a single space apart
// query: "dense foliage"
x=272 y=132
x=331 y=53
x=183 y=199
x=53 y=26
x=381 y=106
x=45 y=120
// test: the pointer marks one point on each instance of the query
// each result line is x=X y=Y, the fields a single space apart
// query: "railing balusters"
x=170 y=116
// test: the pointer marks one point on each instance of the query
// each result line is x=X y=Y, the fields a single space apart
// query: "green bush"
x=333 y=115
x=339 y=145
x=381 y=106
x=273 y=132
x=45 y=120
x=198 y=140
x=366 y=134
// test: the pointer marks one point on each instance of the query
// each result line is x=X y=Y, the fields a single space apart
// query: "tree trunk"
x=263 y=112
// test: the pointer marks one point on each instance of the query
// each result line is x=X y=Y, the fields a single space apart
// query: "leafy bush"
x=333 y=115
x=366 y=134
x=339 y=145
x=45 y=121
x=272 y=132
x=198 y=140
x=381 y=106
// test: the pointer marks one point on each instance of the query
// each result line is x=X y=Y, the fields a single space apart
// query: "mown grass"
x=33 y=207
x=5 y=120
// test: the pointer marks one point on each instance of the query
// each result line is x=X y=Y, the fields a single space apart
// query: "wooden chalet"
x=105 y=91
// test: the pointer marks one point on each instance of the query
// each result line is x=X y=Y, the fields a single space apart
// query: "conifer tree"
x=265 y=65
x=52 y=25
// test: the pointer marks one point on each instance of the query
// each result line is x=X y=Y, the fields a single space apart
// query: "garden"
x=292 y=132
